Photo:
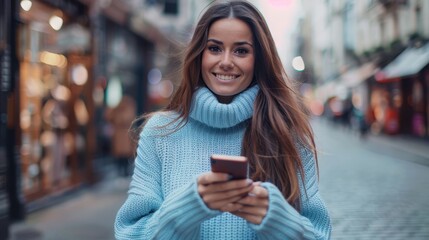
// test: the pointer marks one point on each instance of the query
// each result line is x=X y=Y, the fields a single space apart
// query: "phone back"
x=236 y=166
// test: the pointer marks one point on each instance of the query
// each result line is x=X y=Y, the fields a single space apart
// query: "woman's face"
x=228 y=58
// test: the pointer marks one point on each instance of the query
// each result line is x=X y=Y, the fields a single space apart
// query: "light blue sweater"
x=163 y=201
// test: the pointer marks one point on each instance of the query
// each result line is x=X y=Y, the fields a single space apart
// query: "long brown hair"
x=279 y=126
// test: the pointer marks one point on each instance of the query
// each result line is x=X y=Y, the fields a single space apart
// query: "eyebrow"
x=236 y=43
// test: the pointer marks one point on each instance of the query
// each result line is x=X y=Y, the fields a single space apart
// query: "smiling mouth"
x=226 y=77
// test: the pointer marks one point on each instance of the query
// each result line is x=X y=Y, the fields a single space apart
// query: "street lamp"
x=26 y=5
x=56 y=21
x=298 y=64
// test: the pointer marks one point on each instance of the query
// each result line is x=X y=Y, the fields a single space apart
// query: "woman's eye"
x=214 y=49
x=241 y=51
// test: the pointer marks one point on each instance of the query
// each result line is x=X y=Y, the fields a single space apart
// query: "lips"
x=226 y=77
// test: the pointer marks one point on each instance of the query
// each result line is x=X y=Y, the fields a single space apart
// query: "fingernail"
x=249 y=181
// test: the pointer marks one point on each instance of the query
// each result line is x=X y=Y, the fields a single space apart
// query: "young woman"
x=234 y=99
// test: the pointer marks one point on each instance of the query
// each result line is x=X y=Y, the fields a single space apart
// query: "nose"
x=226 y=62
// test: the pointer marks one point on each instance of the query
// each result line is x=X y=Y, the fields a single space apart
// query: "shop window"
x=55 y=105
x=171 y=7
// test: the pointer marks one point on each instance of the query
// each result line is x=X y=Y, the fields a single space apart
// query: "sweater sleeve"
x=284 y=222
x=146 y=214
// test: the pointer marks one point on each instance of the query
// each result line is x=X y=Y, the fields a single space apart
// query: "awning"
x=410 y=62
x=354 y=77
x=330 y=89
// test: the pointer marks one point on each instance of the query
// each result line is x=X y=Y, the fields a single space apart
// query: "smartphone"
x=236 y=166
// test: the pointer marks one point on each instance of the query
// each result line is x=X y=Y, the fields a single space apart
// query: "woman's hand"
x=220 y=193
x=254 y=206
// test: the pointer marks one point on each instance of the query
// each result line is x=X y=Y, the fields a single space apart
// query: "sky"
x=281 y=17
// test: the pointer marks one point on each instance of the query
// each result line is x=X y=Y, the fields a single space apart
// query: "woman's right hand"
x=220 y=193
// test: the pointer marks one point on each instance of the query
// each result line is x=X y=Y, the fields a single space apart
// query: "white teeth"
x=225 y=77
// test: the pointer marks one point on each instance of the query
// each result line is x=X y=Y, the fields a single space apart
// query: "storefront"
x=124 y=58
x=55 y=98
x=384 y=107
x=406 y=80
x=347 y=97
x=57 y=60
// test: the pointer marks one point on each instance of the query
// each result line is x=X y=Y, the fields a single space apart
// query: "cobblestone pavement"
x=372 y=190
x=87 y=216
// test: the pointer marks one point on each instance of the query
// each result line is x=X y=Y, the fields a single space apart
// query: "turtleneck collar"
x=207 y=109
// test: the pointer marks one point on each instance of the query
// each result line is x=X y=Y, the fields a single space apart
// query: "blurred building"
x=373 y=54
x=6 y=141
x=63 y=63
x=175 y=19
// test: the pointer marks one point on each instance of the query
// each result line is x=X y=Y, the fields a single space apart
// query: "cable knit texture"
x=163 y=201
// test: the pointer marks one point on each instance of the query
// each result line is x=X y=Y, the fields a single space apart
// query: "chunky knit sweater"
x=163 y=201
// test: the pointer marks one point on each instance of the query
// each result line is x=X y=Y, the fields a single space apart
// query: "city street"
x=78 y=77
x=374 y=189
x=89 y=215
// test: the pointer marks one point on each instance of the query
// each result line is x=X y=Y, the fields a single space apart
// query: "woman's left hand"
x=255 y=205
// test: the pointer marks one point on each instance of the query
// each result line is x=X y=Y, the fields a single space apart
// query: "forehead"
x=230 y=28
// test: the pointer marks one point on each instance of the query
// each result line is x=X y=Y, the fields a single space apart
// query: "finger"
x=254 y=210
x=209 y=196
x=249 y=217
x=229 y=185
x=231 y=207
x=254 y=201
x=211 y=177
x=218 y=205
x=259 y=192
x=258 y=183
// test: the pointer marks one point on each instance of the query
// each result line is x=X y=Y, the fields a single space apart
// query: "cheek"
x=206 y=64
x=249 y=68
x=207 y=60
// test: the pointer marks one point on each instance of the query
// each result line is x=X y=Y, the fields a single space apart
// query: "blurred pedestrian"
x=122 y=146
x=234 y=99
x=359 y=123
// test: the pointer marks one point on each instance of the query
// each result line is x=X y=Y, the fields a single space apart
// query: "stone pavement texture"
x=374 y=188
x=89 y=215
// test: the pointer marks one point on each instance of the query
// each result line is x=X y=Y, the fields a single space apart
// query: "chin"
x=225 y=93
